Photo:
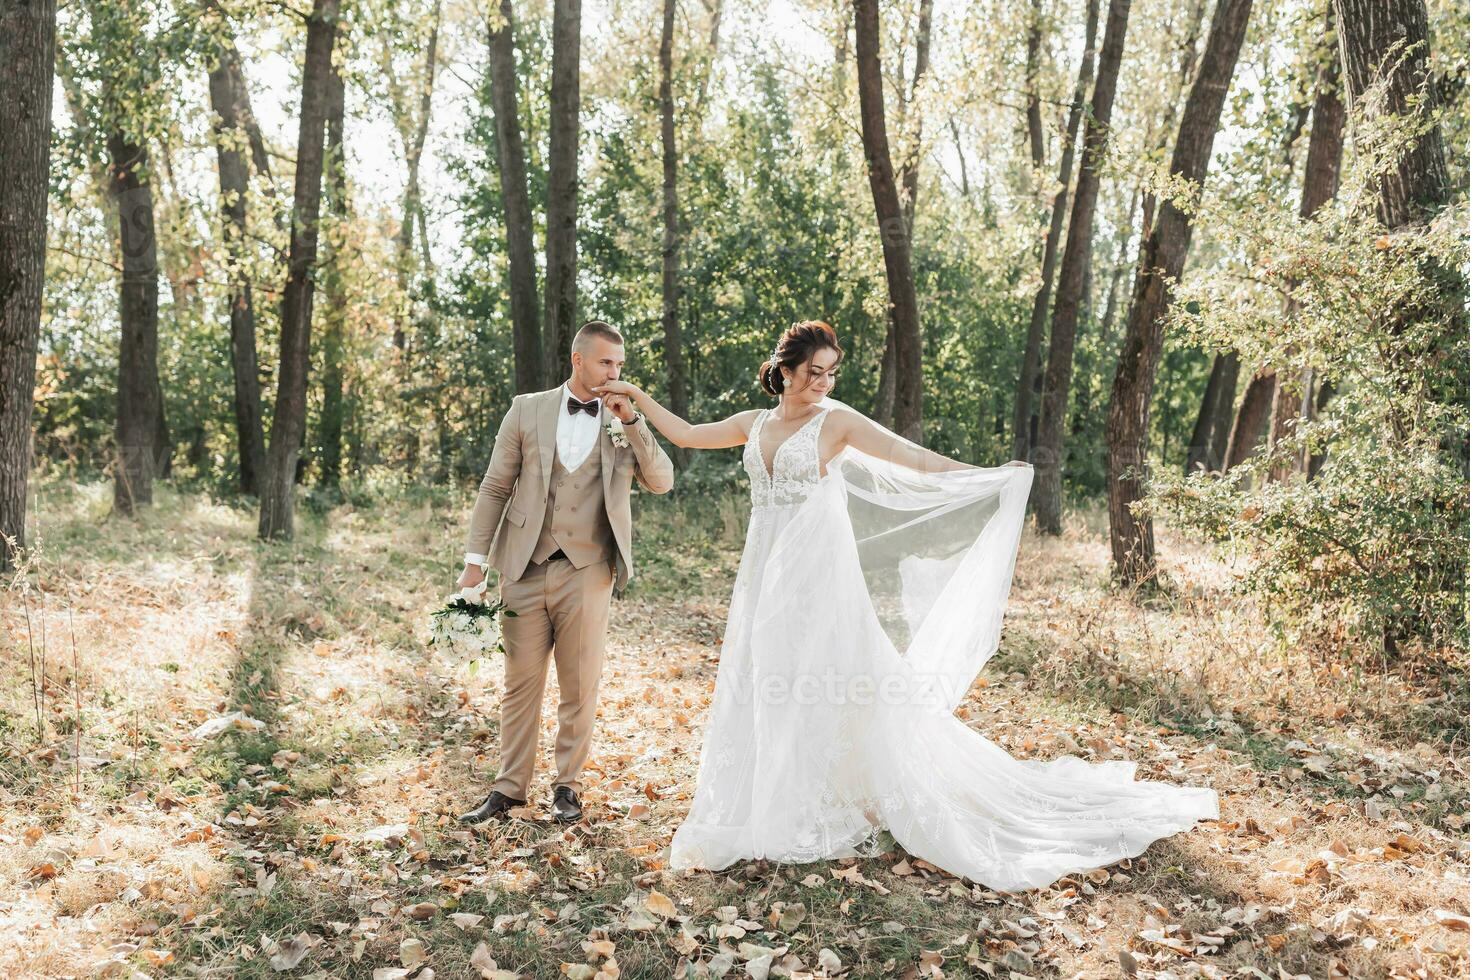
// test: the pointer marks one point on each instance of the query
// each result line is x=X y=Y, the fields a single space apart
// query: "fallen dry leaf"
x=660 y=904
x=412 y=952
x=288 y=954
x=1451 y=920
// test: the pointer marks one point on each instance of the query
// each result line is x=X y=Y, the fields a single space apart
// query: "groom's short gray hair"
x=595 y=328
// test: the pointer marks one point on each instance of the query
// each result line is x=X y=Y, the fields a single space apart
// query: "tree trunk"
x=139 y=452
x=1418 y=184
x=1319 y=185
x=1325 y=391
x=1035 y=133
x=511 y=164
x=673 y=342
x=27 y=64
x=892 y=227
x=561 y=186
x=1224 y=409
x=1188 y=58
x=1021 y=441
x=908 y=171
x=908 y=179
x=288 y=425
x=230 y=102
x=335 y=325
x=1162 y=260
x=887 y=379
x=959 y=152
x=716 y=10
x=1047 y=494
x=1110 y=308
x=1414 y=189
x=1197 y=455
x=413 y=130
x=1251 y=418
x=1028 y=385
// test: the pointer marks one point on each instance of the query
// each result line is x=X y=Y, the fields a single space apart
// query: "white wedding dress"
x=866 y=602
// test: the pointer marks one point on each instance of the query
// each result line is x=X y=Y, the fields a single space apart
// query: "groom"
x=555 y=502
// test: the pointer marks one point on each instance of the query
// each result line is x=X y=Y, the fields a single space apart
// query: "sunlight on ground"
x=316 y=829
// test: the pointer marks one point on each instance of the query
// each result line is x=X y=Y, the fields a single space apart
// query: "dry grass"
x=1343 y=786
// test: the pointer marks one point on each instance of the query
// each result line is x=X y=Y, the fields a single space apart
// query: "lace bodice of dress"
x=795 y=467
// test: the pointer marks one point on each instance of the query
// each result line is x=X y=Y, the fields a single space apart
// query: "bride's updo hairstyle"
x=795 y=348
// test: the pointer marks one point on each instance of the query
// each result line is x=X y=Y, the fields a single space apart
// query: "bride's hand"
x=1018 y=462
x=619 y=388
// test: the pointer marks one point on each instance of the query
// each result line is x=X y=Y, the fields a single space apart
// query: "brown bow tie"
x=574 y=406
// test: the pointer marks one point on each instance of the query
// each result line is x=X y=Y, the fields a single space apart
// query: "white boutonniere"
x=614 y=428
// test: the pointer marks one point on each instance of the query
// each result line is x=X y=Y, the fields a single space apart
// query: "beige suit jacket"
x=511 y=505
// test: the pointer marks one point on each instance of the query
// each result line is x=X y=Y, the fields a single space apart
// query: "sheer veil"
x=937 y=551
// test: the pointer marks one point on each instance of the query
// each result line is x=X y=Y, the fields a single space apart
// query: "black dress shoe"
x=495 y=806
x=565 y=806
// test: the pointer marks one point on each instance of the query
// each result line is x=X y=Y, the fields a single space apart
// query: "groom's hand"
x=472 y=576
x=621 y=406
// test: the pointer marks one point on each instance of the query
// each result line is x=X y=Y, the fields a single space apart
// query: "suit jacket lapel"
x=546 y=419
x=606 y=451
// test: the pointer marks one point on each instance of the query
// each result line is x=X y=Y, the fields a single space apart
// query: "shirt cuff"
x=474 y=559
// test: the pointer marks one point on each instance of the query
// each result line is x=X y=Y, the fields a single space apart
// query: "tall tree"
x=716 y=10
x=1389 y=40
x=1031 y=359
x=27 y=62
x=1188 y=61
x=120 y=114
x=1070 y=288
x=913 y=117
x=234 y=124
x=334 y=284
x=1386 y=43
x=911 y=121
x=561 y=185
x=1115 y=273
x=288 y=424
x=1161 y=262
x=892 y=227
x=139 y=394
x=411 y=111
x=1262 y=401
x=1035 y=131
x=515 y=199
x=1319 y=186
x=1023 y=425
x=673 y=341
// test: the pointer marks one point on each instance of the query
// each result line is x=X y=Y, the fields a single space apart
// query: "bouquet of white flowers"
x=467 y=627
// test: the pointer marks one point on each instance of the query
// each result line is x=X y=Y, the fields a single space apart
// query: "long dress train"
x=866 y=602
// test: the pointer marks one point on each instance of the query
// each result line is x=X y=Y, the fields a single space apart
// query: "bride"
x=868 y=597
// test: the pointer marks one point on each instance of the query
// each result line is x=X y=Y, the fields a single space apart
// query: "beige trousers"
x=561 y=611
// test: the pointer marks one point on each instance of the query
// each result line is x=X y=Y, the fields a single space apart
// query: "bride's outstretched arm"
x=709 y=435
x=864 y=434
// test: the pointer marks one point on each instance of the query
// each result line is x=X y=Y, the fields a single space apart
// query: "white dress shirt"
x=576 y=437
